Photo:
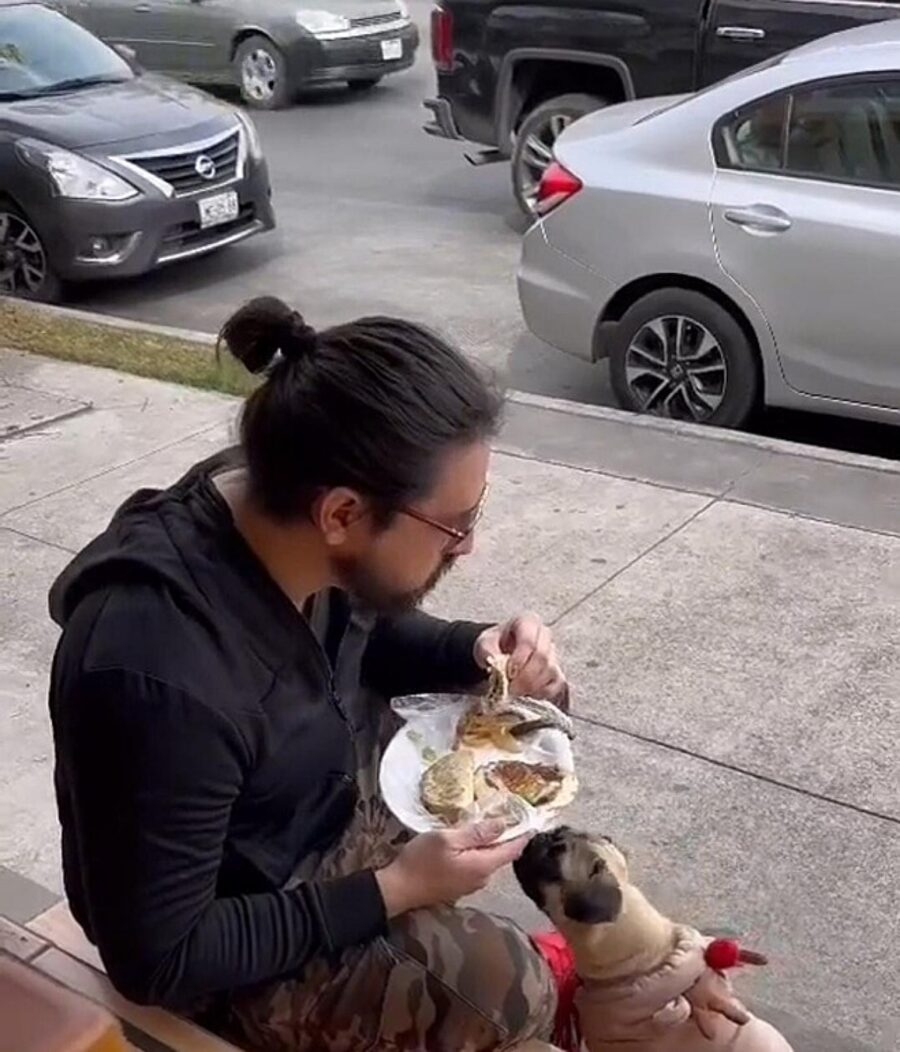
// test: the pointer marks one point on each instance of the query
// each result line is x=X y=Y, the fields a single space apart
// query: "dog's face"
x=573 y=877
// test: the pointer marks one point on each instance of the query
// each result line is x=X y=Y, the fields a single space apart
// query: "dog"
x=645 y=984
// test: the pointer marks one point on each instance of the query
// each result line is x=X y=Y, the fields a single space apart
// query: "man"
x=219 y=702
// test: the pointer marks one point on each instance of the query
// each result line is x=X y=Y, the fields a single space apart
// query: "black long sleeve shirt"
x=203 y=748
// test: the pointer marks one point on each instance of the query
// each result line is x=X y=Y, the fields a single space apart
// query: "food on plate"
x=505 y=730
x=537 y=783
x=480 y=730
x=496 y=802
x=448 y=786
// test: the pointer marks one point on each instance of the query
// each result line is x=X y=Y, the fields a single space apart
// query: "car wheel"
x=262 y=74
x=25 y=270
x=679 y=354
x=363 y=85
x=536 y=137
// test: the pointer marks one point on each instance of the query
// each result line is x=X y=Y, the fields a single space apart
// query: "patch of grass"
x=42 y=332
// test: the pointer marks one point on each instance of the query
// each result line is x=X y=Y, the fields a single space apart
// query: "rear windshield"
x=43 y=53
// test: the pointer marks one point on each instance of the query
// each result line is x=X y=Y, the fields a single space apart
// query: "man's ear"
x=336 y=511
x=596 y=901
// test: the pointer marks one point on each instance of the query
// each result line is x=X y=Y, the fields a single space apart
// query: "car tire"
x=262 y=74
x=533 y=148
x=25 y=269
x=677 y=353
x=362 y=86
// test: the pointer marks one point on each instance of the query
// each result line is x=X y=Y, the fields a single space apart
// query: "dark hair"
x=371 y=405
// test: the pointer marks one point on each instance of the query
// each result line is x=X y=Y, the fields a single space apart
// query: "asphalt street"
x=376 y=217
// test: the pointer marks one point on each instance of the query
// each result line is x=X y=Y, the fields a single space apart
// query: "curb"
x=778 y=446
x=111 y=321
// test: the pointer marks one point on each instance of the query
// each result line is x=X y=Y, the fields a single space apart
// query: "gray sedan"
x=270 y=48
x=737 y=246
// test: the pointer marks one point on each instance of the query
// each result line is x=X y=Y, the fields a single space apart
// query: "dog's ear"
x=596 y=901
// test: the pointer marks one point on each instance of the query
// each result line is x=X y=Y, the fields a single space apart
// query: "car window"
x=849 y=132
x=846 y=131
x=42 y=51
x=754 y=138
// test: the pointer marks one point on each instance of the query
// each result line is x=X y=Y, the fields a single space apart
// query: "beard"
x=368 y=586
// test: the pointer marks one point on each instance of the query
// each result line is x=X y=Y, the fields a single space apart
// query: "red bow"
x=722 y=954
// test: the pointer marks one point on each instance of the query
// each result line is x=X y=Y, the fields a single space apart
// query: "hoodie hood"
x=150 y=539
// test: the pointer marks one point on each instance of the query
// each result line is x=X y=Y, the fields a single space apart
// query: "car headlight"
x=322 y=23
x=73 y=175
x=251 y=136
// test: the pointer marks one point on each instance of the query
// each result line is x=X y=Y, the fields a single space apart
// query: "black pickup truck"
x=513 y=73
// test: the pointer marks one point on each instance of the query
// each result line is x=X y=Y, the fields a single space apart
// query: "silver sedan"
x=737 y=246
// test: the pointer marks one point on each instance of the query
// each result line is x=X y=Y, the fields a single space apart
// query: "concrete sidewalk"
x=727 y=609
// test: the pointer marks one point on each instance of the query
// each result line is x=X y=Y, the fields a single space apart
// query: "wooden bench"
x=53 y=945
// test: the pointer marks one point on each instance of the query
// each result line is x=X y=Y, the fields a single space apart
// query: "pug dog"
x=645 y=985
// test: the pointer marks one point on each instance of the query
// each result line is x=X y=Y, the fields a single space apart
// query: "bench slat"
x=177 y=1034
x=57 y=925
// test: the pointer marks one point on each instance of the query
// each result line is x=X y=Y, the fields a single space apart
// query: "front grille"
x=375 y=20
x=185 y=237
x=180 y=168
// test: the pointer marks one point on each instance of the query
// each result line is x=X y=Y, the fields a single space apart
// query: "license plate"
x=219 y=209
x=391 y=50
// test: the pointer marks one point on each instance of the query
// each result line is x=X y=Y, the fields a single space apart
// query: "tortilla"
x=483 y=730
x=448 y=786
x=536 y=783
x=498 y=683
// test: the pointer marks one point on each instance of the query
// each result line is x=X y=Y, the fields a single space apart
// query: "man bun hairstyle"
x=263 y=328
x=371 y=405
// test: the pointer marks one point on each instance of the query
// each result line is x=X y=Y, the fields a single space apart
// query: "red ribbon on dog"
x=561 y=962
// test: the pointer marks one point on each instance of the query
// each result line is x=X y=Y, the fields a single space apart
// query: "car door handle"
x=143 y=9
x=741 y=33
x=759 y=218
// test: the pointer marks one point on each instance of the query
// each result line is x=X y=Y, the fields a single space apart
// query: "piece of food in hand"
x=537 y=783
x=498 y=682
x=448 y=786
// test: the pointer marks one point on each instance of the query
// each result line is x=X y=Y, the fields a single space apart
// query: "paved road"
x=375 y=217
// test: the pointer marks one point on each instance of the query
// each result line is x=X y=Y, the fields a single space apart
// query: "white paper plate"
x=428 y=733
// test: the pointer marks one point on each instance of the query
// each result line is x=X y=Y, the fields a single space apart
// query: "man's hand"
x=441 y=867
x=534 y=669
x=712 y=996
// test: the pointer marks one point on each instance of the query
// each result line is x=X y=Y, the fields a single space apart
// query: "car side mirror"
x=129 y=54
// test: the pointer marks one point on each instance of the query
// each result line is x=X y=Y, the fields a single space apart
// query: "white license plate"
x=391 y=50
x=219 y=209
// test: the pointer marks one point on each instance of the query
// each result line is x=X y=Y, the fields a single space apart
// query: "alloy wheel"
x=537 y=154
x=23 y=265
x=259 y=73
x=675 y=367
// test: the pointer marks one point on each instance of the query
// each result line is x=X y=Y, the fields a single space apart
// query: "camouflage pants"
x=447 y=979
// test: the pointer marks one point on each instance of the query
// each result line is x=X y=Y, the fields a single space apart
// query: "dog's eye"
x=597 y=868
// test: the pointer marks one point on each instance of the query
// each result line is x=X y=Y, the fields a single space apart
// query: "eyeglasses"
x=459 y=536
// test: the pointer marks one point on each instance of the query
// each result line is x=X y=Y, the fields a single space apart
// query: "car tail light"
x=557 y=186
x=442 y=39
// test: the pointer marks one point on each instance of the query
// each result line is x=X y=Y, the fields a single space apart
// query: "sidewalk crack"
x=637 y=558
x=682 y=750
